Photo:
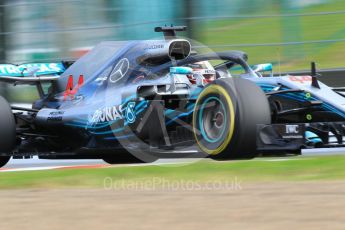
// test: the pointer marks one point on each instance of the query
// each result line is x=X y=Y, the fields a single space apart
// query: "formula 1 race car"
x=144 y=100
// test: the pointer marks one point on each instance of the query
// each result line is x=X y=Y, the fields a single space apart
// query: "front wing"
x=294 y=137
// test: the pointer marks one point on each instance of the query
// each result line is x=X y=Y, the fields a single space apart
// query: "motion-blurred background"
x=288 y=33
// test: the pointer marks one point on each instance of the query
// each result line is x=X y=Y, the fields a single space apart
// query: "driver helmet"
x=203 y=68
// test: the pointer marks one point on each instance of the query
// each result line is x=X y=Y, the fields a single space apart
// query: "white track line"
x=28 y=169
x=323 y=152
x=279 y=159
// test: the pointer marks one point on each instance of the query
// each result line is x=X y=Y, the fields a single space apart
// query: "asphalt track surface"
x=38 y=164
x=33 y=164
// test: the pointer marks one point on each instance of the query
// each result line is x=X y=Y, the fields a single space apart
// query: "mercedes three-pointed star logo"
x=119 y=71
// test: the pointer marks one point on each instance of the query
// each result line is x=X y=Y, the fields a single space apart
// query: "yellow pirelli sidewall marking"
x=218 y=90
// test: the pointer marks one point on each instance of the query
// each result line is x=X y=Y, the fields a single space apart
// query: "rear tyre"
x=7 y=131
x=226 y=115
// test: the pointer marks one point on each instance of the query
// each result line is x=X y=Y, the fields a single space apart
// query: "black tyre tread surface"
x=252 y=109
x=7 y=127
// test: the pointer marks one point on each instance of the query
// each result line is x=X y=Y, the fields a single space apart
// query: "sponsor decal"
x=20 y=71
x=155 y=46
x=55 y=116
x=204 y=71
x=292 y=129
x=292 y=132
x=130 y=114
x=108 y=114
x=300 y=79
x=71 y=91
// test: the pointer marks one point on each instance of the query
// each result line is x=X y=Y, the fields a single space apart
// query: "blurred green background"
x=288 y=33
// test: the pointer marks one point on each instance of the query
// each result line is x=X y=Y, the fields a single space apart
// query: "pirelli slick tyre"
x=225 y=118
x=7 y=131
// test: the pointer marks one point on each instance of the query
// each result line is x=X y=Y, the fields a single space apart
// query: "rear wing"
x=31 y=73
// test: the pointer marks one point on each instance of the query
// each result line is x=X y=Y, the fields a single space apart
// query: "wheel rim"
x=214 y=134
x=212 y=119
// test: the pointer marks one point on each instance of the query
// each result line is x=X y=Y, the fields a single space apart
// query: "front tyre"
x=226 y=115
